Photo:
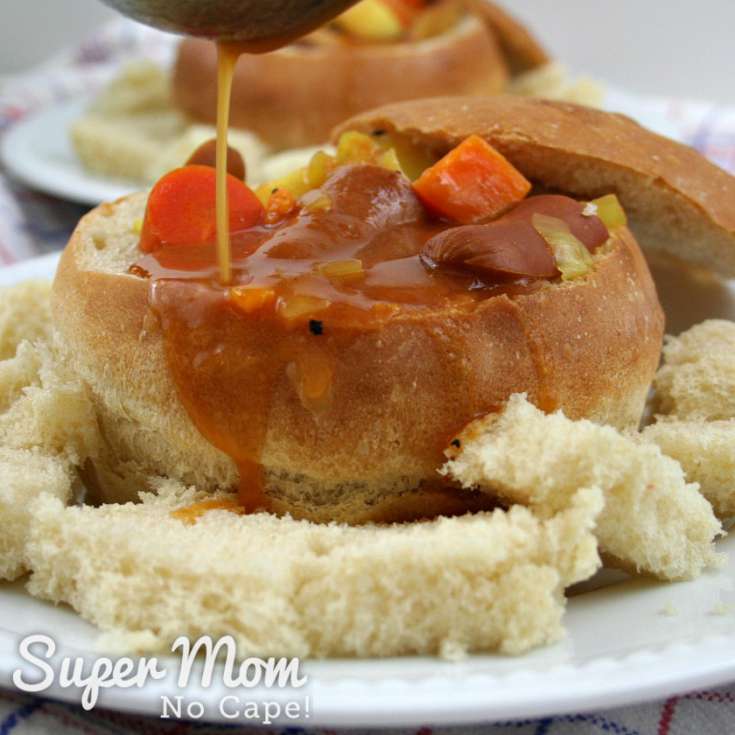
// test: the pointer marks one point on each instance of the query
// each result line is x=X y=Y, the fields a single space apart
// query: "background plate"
x=37 y=151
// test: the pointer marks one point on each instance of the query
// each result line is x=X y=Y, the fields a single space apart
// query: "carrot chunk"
x=473 y=182
x=252 y=299
x=181 y=208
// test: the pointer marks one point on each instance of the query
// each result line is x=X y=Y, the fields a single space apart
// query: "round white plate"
x=38 y=152
x=628 y=641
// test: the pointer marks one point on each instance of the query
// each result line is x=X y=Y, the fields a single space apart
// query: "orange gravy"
x=190 y=514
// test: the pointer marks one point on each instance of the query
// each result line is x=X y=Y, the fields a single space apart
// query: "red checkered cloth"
x=700 y=713
x=33 y=223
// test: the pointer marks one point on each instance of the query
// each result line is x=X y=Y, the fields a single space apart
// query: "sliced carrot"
x=473 y=182
x=281 y=203
x=181 y=208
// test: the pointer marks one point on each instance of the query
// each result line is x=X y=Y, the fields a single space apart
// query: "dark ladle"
x=260 y=25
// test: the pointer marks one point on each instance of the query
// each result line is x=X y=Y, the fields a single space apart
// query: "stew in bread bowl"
x=381 y=298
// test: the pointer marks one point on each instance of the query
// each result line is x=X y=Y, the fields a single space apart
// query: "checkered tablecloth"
x=32 y=223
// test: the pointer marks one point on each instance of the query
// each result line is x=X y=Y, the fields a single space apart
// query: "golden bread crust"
x=521 y=48
x=678 y=202
x=294 y=97
x=590 y=347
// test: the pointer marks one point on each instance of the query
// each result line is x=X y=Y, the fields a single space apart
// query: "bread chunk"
x=653 y=521
x=697 y=380
x=492 y=581
x=25 y=475
x=706 y=452
x=47 y=423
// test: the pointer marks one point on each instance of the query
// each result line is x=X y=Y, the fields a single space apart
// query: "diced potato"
x=414 y=159
x=354 y=147
x=371 y=20
x=319 y=168
x=389 y=159
x=301 y=180
x=300 y=306
x=296 y=183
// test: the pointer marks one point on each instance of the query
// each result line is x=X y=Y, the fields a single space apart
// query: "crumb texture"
x=653 y=522
x=697 y=380
x=47 y=424
x=695 y=405
x=25 y=475
x=484 y=582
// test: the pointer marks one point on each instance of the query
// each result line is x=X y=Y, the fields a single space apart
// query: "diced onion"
x=349 y=268
x=610 y=211
x=572 y=258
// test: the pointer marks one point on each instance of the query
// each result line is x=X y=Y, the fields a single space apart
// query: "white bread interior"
x=706 y=452
x=47 y=424
x=484 y=582
x=653 y=521
x=694 y=400
x=25 y=475
x=697 y=380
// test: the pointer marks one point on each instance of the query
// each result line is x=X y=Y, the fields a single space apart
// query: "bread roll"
x=521 y=48
x=293 y=97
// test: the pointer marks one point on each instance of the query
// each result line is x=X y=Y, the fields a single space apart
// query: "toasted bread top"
x=677 y=201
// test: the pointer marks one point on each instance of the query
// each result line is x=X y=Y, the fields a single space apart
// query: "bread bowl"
x=293 y=97
x=399 y=387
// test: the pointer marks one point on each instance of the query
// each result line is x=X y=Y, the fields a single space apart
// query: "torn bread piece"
x=25 y=314
x=47 y=423
x=24 y=475
x=706 y=452
x=492 y=581
x=653 y=521
x=47 y=426
x=43 y=406
x=697 y=380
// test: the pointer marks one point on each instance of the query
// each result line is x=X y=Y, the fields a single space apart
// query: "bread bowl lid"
x=678 y=202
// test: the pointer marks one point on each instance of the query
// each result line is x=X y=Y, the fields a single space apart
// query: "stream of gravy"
x=227 y=56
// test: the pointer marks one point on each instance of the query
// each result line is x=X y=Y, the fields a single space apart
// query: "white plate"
x=38 y=152
x=628 y=642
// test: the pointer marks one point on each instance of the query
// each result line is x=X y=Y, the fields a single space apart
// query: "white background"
x=671 y=47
